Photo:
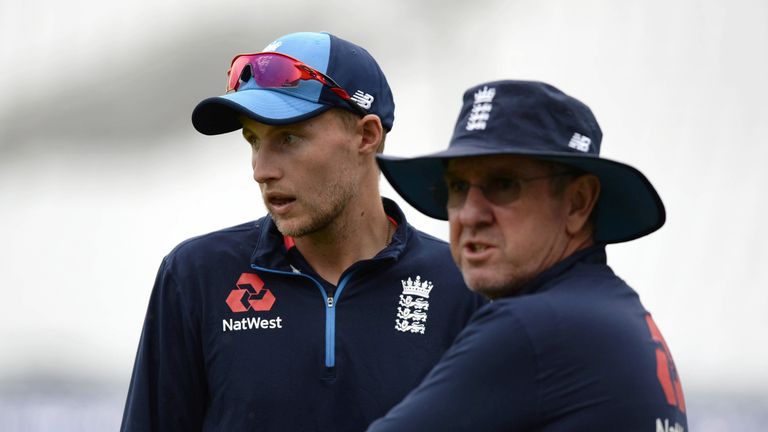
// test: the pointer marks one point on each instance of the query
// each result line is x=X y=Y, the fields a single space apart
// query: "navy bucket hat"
x=533 y=119
x=349 y=65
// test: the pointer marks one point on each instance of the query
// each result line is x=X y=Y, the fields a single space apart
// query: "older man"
x=566 y=345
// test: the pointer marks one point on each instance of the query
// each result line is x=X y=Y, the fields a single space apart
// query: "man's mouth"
x=279 y=203
x=474 y=251
x=475 y=247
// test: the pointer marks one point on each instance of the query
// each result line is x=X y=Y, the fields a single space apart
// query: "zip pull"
x=330 y=302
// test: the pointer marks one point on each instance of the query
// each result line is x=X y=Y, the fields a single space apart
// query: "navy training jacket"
x=575 y=351
x=241 y=335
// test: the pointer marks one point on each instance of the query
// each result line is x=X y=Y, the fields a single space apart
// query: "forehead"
x=483 y=166
x=326 y=119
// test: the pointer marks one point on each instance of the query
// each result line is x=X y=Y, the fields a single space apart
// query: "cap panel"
x=312 y=49
x=355 y=70
x=526 y=115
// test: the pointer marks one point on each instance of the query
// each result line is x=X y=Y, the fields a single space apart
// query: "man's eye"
x=503 y=184
x=290 y=139
x=253 y=141
x=457 y=186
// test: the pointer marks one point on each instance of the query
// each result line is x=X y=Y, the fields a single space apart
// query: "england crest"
x=413 y=306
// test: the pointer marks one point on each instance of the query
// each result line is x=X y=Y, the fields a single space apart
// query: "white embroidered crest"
x=413 y=306
x=580 y=142
x=481 y=110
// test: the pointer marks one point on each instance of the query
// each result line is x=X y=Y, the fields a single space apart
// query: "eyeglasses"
x=497 y=190
x=277 y=70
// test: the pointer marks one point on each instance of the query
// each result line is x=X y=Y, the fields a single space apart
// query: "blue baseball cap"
x=533 y=119
x=349 y=65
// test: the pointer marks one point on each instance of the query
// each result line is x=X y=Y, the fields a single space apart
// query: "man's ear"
x=581 y=194
x=371 y=131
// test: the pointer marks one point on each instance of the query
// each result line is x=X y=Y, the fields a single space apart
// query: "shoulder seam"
x=234 y=229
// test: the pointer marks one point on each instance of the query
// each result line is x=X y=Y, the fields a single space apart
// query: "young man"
x=323 y=314
x=566 y=345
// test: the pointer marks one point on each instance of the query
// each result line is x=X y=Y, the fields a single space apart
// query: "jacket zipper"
x=330 y=309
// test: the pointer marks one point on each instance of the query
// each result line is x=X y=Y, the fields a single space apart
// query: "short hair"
x=349 y=119
x=559 y=183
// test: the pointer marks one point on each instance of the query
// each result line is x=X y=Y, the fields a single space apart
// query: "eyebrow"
x=276 y=129
x=453 y=174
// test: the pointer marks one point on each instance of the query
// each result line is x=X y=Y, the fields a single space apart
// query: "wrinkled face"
x=499 y=247
x=307 y=171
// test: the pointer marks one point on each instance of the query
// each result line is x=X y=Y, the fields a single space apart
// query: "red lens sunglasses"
x=277 y=70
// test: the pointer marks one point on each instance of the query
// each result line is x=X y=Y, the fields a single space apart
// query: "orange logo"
x=250 y=294
x=665 y=368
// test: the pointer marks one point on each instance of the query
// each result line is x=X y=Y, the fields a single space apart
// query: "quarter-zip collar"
x=272 y=255
x=271 y=247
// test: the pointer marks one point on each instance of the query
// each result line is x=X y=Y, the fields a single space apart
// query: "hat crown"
x=526 y=117
x=351 y=66
x=533 y=119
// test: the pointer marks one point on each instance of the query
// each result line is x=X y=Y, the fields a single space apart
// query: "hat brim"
x=218 y=115
x=628 y=207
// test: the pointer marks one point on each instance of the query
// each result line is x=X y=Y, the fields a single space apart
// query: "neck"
x=359 y=233
x=582 y=240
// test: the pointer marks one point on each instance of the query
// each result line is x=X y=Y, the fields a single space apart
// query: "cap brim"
x=628 y=208
x=217 y=115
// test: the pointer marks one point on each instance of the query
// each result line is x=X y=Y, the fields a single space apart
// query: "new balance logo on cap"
x=481 y=110
x=580 y=142
x=273 y=46
x=363 y=99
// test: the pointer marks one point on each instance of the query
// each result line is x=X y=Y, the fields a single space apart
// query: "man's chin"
x=488 y=285
x=296 y=227
x=288 y=226
x=478 y=284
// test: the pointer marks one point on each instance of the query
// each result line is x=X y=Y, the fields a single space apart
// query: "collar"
x=272 y=247
x=591 y=255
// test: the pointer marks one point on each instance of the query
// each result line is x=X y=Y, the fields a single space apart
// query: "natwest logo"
x=250 y=294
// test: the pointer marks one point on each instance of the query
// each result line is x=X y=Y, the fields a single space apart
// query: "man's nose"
x=266 y=166
x=476 y=209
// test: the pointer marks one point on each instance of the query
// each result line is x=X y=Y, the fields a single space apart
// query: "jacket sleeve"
x=484 y=382
x=168 y=387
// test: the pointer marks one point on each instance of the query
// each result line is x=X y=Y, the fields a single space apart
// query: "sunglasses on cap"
x=277 y=70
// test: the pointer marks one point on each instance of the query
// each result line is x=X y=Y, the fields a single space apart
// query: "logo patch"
x=250 y=294
x=481 y=110
x=273 y=46
x=666 y=427
x=413 y=306
x=666 y=371
x=363 y=99
x=580 y=142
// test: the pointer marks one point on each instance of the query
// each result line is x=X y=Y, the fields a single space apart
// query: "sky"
x=102 y=174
